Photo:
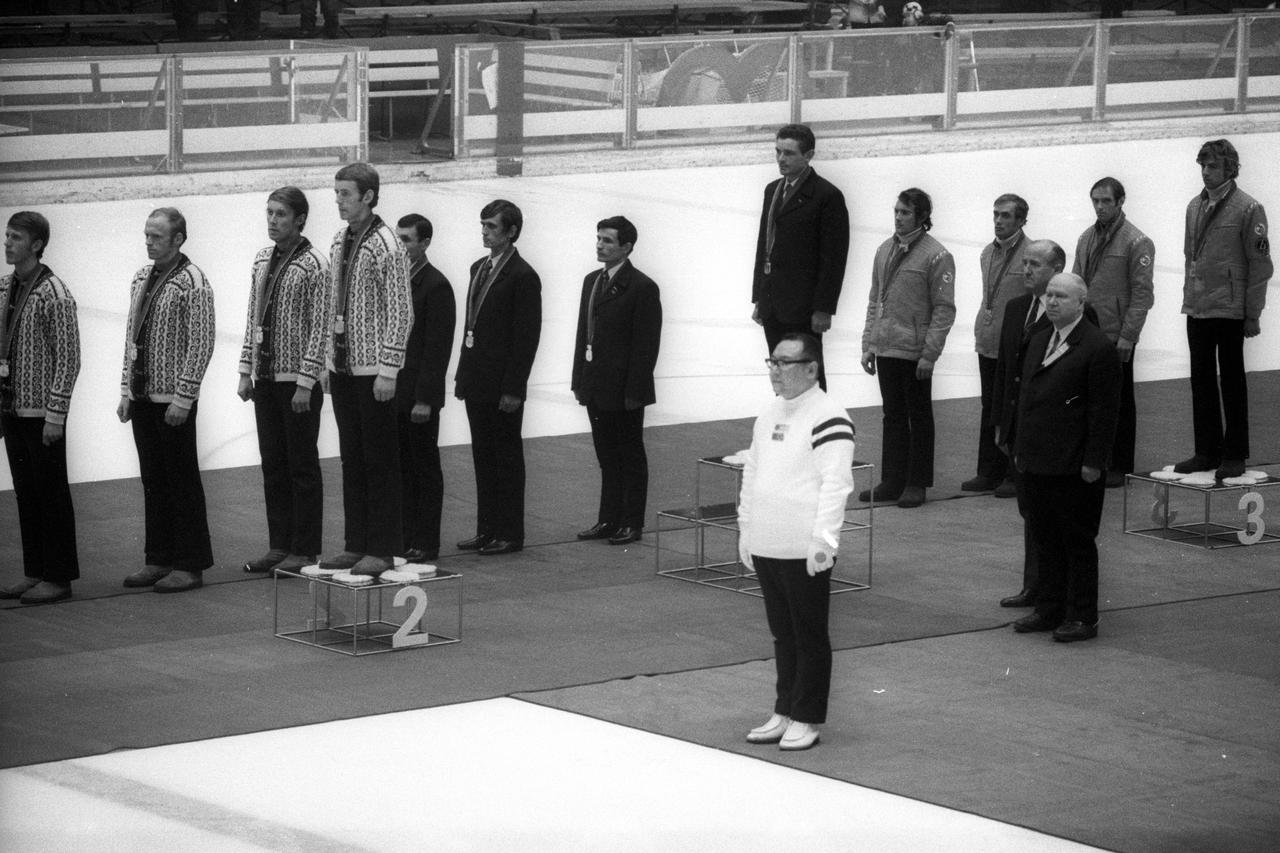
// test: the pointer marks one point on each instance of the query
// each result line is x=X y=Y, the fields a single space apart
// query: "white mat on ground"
x=494 y=775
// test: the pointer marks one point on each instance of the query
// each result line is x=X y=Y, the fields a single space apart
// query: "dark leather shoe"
x=599 y=530
x=147 y=576
x=294 y=563
x=625 y=535
x=1115 y=479
x=1230 y=468
x=1194 y=464
x=912 y=497
x=419 y=555
x=46 y=593
x=1007 y=489
x=18 y=589
x=341 y=562
x=1034 y=622
x=881 y=494
x=978 y=484
x=266 y=562
x=500 y=546
x=1074 y=632
x=475 y=543
x=372 y=566
x=179 y=581
x=1026 y=598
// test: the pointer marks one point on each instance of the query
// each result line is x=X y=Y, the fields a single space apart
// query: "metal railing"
x=521 y=97
x=96 y=115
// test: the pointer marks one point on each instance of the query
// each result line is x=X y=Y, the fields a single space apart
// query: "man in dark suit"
x=420 y=393
x=619 y=327
x=503 y=324
x=1023 y=316
x=1068 y=406
x=802 y=246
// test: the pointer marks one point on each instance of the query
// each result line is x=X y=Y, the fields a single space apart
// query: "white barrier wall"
x=697 y=238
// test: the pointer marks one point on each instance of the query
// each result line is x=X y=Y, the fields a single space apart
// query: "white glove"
x=744 y=554
x=821 y=556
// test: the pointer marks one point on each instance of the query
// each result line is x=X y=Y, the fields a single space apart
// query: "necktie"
x=1053 y=347
x=1031 y=315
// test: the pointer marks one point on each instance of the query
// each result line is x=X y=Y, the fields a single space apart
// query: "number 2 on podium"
x=403 y=637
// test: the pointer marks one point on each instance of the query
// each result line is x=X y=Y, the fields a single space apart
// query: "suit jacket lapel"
x=617 y=285
x=800 y=197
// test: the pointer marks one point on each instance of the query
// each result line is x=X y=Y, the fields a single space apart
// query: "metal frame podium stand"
x=1217 y=516
x=318 y=616
x=720 y=522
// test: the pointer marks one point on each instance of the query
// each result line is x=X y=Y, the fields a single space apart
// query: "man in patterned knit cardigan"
x=168 y=343
x=39 y=362
x=290 y=297
x=372 y=315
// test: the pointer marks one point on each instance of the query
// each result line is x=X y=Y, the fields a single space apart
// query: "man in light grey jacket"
x=909 y=313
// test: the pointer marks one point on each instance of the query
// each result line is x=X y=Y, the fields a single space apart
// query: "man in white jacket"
x=795 y=481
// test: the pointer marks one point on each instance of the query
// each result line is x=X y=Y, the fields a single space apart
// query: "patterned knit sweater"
x=379 y=310
x=180 y=334
x=45 y=351
x=300 y=317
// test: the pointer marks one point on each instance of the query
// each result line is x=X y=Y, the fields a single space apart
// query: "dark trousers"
x=177 y=526
x=992 y=462
x=423 y=481
x=1064 y=512
x=1122 y=450
x=624 y=467
x=1030 y=556
x=907 y=455
x=1217 y=361
x=291 y=480
x=775 y=330
x=370 y=450
x=329 y=8
x=797 y=607
x=497 y=452
x=46 y=518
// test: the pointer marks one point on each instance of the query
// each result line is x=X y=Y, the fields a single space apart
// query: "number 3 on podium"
x=1254 y=525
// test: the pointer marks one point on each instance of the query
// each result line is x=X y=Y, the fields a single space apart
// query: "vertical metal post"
x=796 y=95
x=358 y=94
x=1101 y=57
x=461 y=93
x=950 y=78
x=173 y=112
x=291 y=69
x=629 y=93
x=1242 y=62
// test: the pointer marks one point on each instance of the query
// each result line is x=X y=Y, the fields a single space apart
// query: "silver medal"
x=588 y=355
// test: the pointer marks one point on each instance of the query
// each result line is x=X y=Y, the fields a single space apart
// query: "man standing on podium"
x=801 y=247
x=619 y=327
x=372 y=315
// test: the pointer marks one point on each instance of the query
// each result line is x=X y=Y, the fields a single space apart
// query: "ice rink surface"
x=501 y=774
x=697 y=239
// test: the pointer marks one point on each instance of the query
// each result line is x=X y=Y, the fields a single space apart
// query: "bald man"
x=1066 y=421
